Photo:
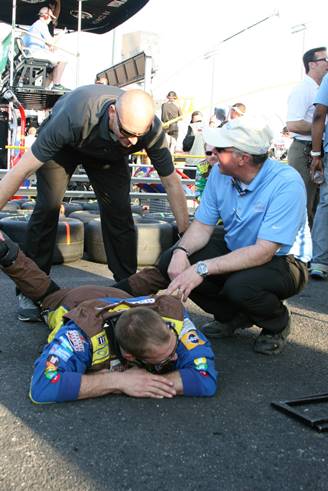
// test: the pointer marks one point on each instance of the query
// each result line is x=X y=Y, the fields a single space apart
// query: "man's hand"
x=183 y=284
x=179 y=263
x=316 y=165
x=138 y=382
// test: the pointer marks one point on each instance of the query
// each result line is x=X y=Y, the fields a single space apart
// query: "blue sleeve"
x=196 y=365
x=58 y=371
x=322 y=94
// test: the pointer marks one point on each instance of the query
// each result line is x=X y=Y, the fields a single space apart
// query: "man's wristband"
x=315 y=154
x=181 y=248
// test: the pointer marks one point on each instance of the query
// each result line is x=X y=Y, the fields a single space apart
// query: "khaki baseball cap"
x=250 y=135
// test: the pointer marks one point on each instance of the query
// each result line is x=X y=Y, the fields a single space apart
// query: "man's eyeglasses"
x=167 y=360
x=162 y=364
x=208 y=153
x=221 y=150
x=124 y=132
x=322 y=59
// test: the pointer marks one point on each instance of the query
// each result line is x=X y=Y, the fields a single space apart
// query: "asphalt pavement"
x=233 y=441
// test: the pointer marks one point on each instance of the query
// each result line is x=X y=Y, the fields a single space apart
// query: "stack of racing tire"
x=79 y=233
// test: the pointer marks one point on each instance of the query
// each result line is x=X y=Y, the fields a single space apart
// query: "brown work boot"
x=273 y=344
x=217 y=329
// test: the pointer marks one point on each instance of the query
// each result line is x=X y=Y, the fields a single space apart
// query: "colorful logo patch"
x=191 y=340
x=62 y=352
x=76 y=340
x=101 y=339
x=201 y=364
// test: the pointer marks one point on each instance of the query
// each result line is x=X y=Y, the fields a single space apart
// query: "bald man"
x=97 y=126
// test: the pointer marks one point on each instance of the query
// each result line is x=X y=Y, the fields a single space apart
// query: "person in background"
x=203 y=170
x=30 y=137
x=55 y=6
x=299 y=120
x=193 y=143
x=319 y=169
x=171 y=111
x=101 y=79
x=237 y=110
x=41 y=45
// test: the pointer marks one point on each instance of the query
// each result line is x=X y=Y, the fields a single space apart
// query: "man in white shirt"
x=41 y=45
x=299 y=118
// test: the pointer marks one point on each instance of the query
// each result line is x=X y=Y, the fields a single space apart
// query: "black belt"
x=304 y=142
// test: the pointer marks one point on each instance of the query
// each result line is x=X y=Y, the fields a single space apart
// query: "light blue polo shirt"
x=42 y=36
x=271 y=207
x=322 y=98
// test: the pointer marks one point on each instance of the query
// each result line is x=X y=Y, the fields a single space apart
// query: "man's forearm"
x=196 y=237
x=244 y=258
x=302 y=127
x=177 y=200
x=99 y=384
x=318 y=126
x=14 y=178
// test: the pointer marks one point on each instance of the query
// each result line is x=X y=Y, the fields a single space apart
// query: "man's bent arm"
x=134 y=382
x=318 y=126
x=14 y=178
x=176 y=199
x=301 y=127
x=197 y=236
x=244 y=258
x=247 y=257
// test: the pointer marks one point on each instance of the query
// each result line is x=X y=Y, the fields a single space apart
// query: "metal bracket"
x=289 y=407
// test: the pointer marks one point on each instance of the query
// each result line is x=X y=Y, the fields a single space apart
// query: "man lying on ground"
x=104 y=341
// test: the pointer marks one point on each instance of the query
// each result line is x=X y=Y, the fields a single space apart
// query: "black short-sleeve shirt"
x=78 y=128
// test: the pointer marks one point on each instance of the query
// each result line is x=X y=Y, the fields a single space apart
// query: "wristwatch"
x=202 y=269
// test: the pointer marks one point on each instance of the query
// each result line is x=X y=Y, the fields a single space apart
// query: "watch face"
x=202 y=269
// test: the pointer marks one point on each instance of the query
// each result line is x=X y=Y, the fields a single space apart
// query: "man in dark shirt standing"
x=97 y=126
x=171 y=112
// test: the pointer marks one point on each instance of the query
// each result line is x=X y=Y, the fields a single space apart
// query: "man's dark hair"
x=138 y=328
x=310 y=56
x=172 y=94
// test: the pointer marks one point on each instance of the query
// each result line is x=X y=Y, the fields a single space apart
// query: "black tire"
x=90 y=205
x=11 y=206
x=85 y=217
x=28 y=205
x=69 y=241
x=71 y=206
x=93 y=242
x=152 y=239
x=20 y=201
x=137 y=209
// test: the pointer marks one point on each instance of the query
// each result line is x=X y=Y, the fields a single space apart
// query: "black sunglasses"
x=208 y=153
x=321 y=59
